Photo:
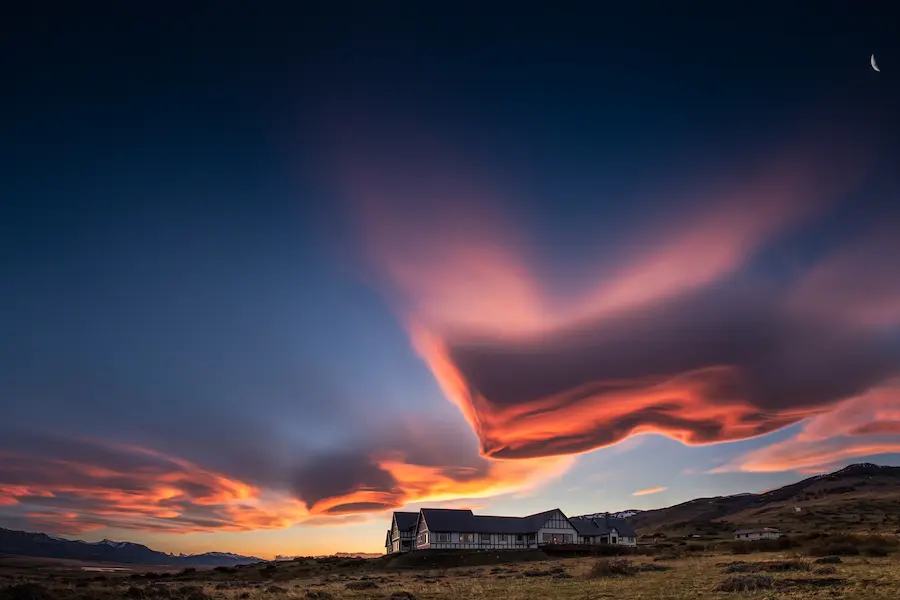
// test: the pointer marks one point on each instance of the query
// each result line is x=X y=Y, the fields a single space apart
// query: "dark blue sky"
x=265 y=244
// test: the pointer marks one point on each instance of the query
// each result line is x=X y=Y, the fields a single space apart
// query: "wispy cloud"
x=648 y=491
x=864 y=425
x=81 y=485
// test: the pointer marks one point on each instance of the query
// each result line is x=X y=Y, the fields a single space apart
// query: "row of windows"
x=469 y=538
x=557 y=538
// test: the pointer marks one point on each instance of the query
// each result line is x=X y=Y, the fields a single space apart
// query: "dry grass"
x=700 y=577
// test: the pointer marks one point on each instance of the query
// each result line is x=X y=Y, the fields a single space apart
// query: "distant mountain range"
x=24 y=543
x=861 y=498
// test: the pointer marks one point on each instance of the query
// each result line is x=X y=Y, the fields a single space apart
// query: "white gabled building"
x=454 y=528
x=401 y=535
x=444 y=528
x=763 y=533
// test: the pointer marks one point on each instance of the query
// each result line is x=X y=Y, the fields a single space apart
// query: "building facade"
x=604 y=529
x=444 y=528
x=751 y=535
x=402 y=532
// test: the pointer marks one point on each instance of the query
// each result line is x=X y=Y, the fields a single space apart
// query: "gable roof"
x=406 y=521
x=602 y=526
x=464 y=521
x=387 y=541
x=447 y=519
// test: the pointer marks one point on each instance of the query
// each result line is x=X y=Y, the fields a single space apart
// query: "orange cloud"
x=103 y=484
x=137 y=488
x=861 y=426
x=648 y=491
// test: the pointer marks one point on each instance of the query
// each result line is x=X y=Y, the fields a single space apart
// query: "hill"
x=24 y=543
x=860 y=498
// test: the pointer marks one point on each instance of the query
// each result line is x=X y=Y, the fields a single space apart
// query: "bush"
x=26 y=591
x=609 y=568
x=745 y=583
x=826 y=570
x=839 y=549
x=361 y=585
x=225 y=570
x=785 y=565
x=319 y=595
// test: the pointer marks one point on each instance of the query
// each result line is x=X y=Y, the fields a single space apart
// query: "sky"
x=266 y=276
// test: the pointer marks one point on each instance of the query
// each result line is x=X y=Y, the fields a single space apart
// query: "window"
x=612 y=540
x=470 y=537
x=485 y=537
x=520 y=538
x=548 y=537
x=503 y=537
x=443 y=537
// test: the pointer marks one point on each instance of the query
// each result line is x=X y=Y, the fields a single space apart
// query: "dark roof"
x=455 y=520
x=602 y=526
x=585 y=526
x=406 y=521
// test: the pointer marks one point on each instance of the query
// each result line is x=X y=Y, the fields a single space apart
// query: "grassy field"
x=695 y=575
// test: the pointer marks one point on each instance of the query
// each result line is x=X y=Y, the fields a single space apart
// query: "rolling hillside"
x=859 y=498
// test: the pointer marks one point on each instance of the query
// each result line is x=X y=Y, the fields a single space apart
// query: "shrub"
x=26 y=591
x=826 y=570
x=785 y=565
x=403 y=595
x=608 y=568
x=225 y=570
x=361 y=585
x=828 y=560
x=839 y=549
x=192 y=592
x=187 y=571
x=745 y=583
x=319 y=595
x=653 y=567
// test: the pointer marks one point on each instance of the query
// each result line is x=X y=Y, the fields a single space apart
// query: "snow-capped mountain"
x=615 y=515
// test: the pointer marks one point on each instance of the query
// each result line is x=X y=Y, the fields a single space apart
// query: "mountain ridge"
x=41 y=545
x=854 y=498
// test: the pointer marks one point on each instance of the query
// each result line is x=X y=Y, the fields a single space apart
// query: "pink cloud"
x=859 y=283
x=648 y=491
x=514 y=353
x=861 y=426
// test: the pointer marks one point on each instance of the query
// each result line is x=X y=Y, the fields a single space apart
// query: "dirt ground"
x=770 y=576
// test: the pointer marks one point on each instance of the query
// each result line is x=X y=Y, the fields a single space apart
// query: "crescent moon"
x=874 y=64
